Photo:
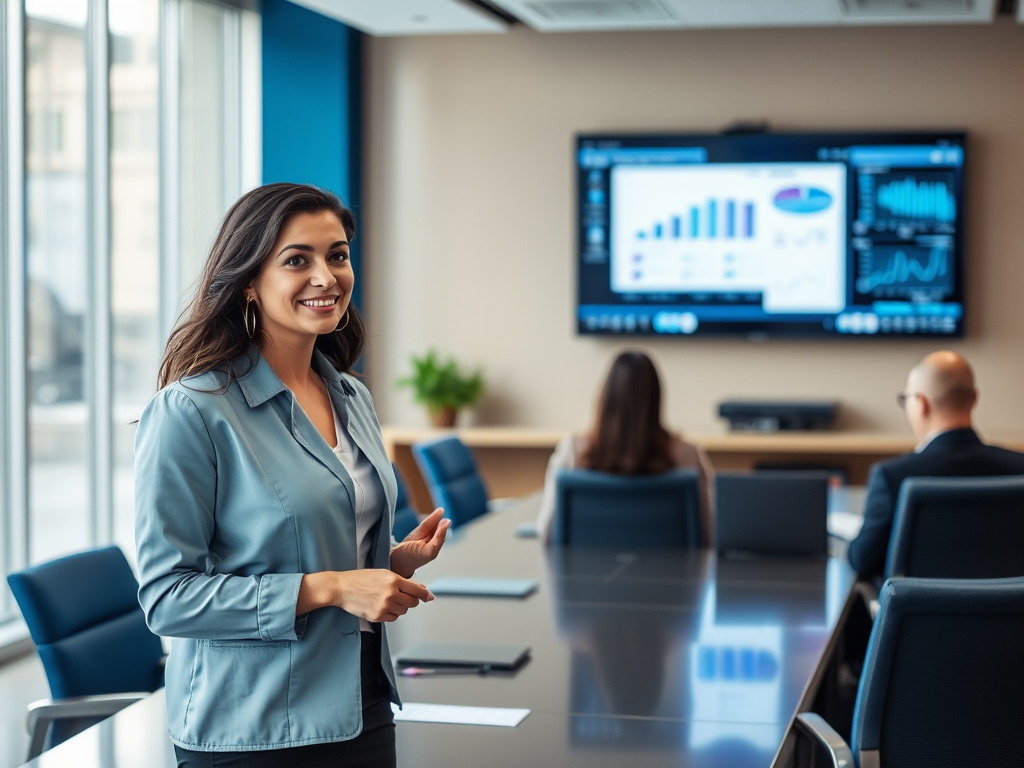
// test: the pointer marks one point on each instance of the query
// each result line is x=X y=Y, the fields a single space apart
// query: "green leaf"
x=440 y=384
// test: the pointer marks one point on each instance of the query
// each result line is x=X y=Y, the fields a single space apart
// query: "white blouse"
x=369 y=492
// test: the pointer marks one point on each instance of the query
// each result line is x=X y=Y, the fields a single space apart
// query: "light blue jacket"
x=238 y=495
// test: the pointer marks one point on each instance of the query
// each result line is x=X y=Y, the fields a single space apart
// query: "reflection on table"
x=655 y=658
x=671 y=657
x=719 y=645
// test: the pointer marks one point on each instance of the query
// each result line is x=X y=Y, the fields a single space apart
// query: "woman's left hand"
x=421 y=545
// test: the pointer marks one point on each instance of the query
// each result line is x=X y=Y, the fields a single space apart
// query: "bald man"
x=938 y=399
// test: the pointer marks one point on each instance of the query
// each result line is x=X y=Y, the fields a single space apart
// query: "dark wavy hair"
x=211 y=331
x=628 y=438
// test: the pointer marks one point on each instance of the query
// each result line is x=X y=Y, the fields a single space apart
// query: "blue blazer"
x=237 y=496
x=956 y=453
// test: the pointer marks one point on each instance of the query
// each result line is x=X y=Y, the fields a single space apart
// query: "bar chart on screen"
x=772 y=229
x=918 y=197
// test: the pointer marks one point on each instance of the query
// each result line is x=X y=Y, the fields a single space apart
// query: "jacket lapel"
x=260 y=384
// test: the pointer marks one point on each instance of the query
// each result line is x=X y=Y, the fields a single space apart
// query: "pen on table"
x=483 y=669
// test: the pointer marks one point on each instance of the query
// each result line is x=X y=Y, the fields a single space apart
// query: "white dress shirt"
x=369 y=499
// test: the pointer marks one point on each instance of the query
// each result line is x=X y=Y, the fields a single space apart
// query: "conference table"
x=642 y=657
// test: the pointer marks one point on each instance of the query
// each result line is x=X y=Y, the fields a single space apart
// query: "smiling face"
x=304 y=286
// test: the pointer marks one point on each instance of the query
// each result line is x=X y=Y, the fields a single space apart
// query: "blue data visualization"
x=896 y=270
x=918 y=199
x=915 y=198
x=802 y=200
x=714 y=218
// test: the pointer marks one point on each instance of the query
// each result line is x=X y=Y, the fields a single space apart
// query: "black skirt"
x=374 y=747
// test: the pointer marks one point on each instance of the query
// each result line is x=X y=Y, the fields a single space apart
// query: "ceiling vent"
x=910 y=8
x=601 y=11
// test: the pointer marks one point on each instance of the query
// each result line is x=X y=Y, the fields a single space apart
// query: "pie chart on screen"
x=802 y=200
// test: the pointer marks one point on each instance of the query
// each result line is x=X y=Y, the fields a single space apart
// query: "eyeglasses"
x=902 y=397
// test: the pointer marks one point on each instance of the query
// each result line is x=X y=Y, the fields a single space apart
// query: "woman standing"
x=628 y=439
x=264 y=503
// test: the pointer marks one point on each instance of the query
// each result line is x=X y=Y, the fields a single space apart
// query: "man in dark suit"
x=938 y=400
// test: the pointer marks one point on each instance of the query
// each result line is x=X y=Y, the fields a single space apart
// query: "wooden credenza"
x=512 y=460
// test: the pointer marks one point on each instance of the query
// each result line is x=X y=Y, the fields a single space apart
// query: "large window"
x=123 y=131
x=57 y=275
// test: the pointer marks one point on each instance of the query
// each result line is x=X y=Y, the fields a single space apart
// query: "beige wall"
x=468 y=210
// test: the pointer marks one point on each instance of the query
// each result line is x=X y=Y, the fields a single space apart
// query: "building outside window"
x=154 y=176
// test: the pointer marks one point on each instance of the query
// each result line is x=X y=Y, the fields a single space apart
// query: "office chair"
x=405 y=516
x=943 y=681
x=596 y=509
x=455 y=485
x=958 y=528
x=772 y=513
x=84 y=616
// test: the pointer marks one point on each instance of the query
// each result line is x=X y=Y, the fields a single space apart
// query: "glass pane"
x=202 y=134
x=135 y=235
x=55 y=102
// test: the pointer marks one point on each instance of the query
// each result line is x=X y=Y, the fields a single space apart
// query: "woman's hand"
x=374 y=594
x=421 y=545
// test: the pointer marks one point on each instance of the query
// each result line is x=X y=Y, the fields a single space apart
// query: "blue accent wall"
x=311 y=104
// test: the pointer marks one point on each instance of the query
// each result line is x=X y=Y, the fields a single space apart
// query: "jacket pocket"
x=240 y=696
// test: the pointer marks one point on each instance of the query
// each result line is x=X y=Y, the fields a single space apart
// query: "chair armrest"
x=825 y=735
x=43 y=712
x=867 y=592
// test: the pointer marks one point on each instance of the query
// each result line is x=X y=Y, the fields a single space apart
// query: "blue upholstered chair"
x=455 y=485
x=602 y=510
x=958 y=528
x=84 y=616
x=405 y=516
x=943 y=681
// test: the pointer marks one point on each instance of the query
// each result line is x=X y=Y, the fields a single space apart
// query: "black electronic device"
x=766 y=416
x=475 y=655
x=764 y=234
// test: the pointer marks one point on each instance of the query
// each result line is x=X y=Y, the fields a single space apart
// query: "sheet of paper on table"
x=845 y=525
x=447 y=713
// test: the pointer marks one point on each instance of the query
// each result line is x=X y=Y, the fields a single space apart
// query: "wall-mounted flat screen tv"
x=771 y=234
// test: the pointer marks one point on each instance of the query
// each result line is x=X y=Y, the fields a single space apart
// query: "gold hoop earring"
x=342 y=327
x=245 y=318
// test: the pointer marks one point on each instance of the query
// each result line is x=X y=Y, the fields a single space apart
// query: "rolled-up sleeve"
x=175 y=504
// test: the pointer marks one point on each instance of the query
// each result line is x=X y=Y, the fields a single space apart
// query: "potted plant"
x=442 y=387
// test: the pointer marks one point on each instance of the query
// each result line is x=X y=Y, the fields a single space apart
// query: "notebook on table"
x=482 y=655
x=473 y=587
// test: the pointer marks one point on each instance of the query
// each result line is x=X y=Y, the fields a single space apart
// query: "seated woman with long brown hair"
x=628 y=439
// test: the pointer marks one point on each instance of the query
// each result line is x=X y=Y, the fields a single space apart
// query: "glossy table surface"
x=651 y=658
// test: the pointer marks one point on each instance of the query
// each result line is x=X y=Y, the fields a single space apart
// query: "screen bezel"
x=737 y=147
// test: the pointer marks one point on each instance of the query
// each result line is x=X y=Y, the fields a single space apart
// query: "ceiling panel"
x=754 y=13
x=385 y=18
x=581 y=15
x=610 y=15
x=917 y=11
